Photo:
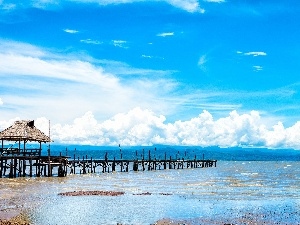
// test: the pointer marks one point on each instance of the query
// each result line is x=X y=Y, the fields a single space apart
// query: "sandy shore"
x=13 y=217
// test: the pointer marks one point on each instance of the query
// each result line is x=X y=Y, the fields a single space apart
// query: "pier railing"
x=33 y=165
x=18 y=151
x=97 y=166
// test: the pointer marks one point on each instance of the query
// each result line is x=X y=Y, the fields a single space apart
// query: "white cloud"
x=257 y=68
x=1 y=102
x=201 y=62
x=90 y=41
x=70 y=31
x=191 y=6
x=143 y=127
x=43 y=4
x=153 y=57
x=62 y=87
x=166 y=34
x=215 y=1
x=119 y=43
x=8 y=6
x=7 y=123
x=256 y=53
x=147 y=56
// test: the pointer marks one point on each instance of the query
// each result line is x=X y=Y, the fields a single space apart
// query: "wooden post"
x=74 y=166
x=15 y=167
x=20 y=168
x=60 y=171
x=66 y=167
x=83 y=169
x=113 y=167
x=135 y=166
x=149 y=158
x=11 y=169
x=5 y=164
x=106 y=160
x=143 y=163
x=45 y=170
x=92 y=166
x=24 y=167
x=49 y=163
x=79 y=164
x=30 y=166
x=38 y=168
x=165 y=162
x=1 y=163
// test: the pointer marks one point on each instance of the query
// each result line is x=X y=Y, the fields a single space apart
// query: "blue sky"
x=92 y=61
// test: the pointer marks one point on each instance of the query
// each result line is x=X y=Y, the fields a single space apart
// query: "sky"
x=135 y=72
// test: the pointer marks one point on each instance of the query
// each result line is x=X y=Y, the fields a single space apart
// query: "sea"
x=248 y=186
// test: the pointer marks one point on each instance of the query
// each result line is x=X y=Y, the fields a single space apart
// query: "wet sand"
x=13 y=217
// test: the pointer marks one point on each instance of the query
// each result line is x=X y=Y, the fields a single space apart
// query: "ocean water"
x=236 y=192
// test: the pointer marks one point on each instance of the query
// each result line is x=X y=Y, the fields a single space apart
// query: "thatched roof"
x=23 y=130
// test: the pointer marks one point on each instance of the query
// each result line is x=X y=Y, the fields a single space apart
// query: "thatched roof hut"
x=23 y=130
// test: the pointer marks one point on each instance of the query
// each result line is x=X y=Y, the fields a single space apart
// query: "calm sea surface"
x=238 y=192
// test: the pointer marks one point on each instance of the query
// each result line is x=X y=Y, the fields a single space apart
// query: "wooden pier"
x=21 y=166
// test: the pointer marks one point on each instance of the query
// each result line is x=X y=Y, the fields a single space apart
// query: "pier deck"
x=21 y=166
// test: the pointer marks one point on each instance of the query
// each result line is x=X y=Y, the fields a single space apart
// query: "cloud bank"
x=69 y=85
x=143 y=127
x=191 y=6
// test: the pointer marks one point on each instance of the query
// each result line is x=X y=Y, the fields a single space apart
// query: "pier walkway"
x=21 y=166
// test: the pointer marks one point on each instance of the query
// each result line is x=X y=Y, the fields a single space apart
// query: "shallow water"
x=234 y=192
